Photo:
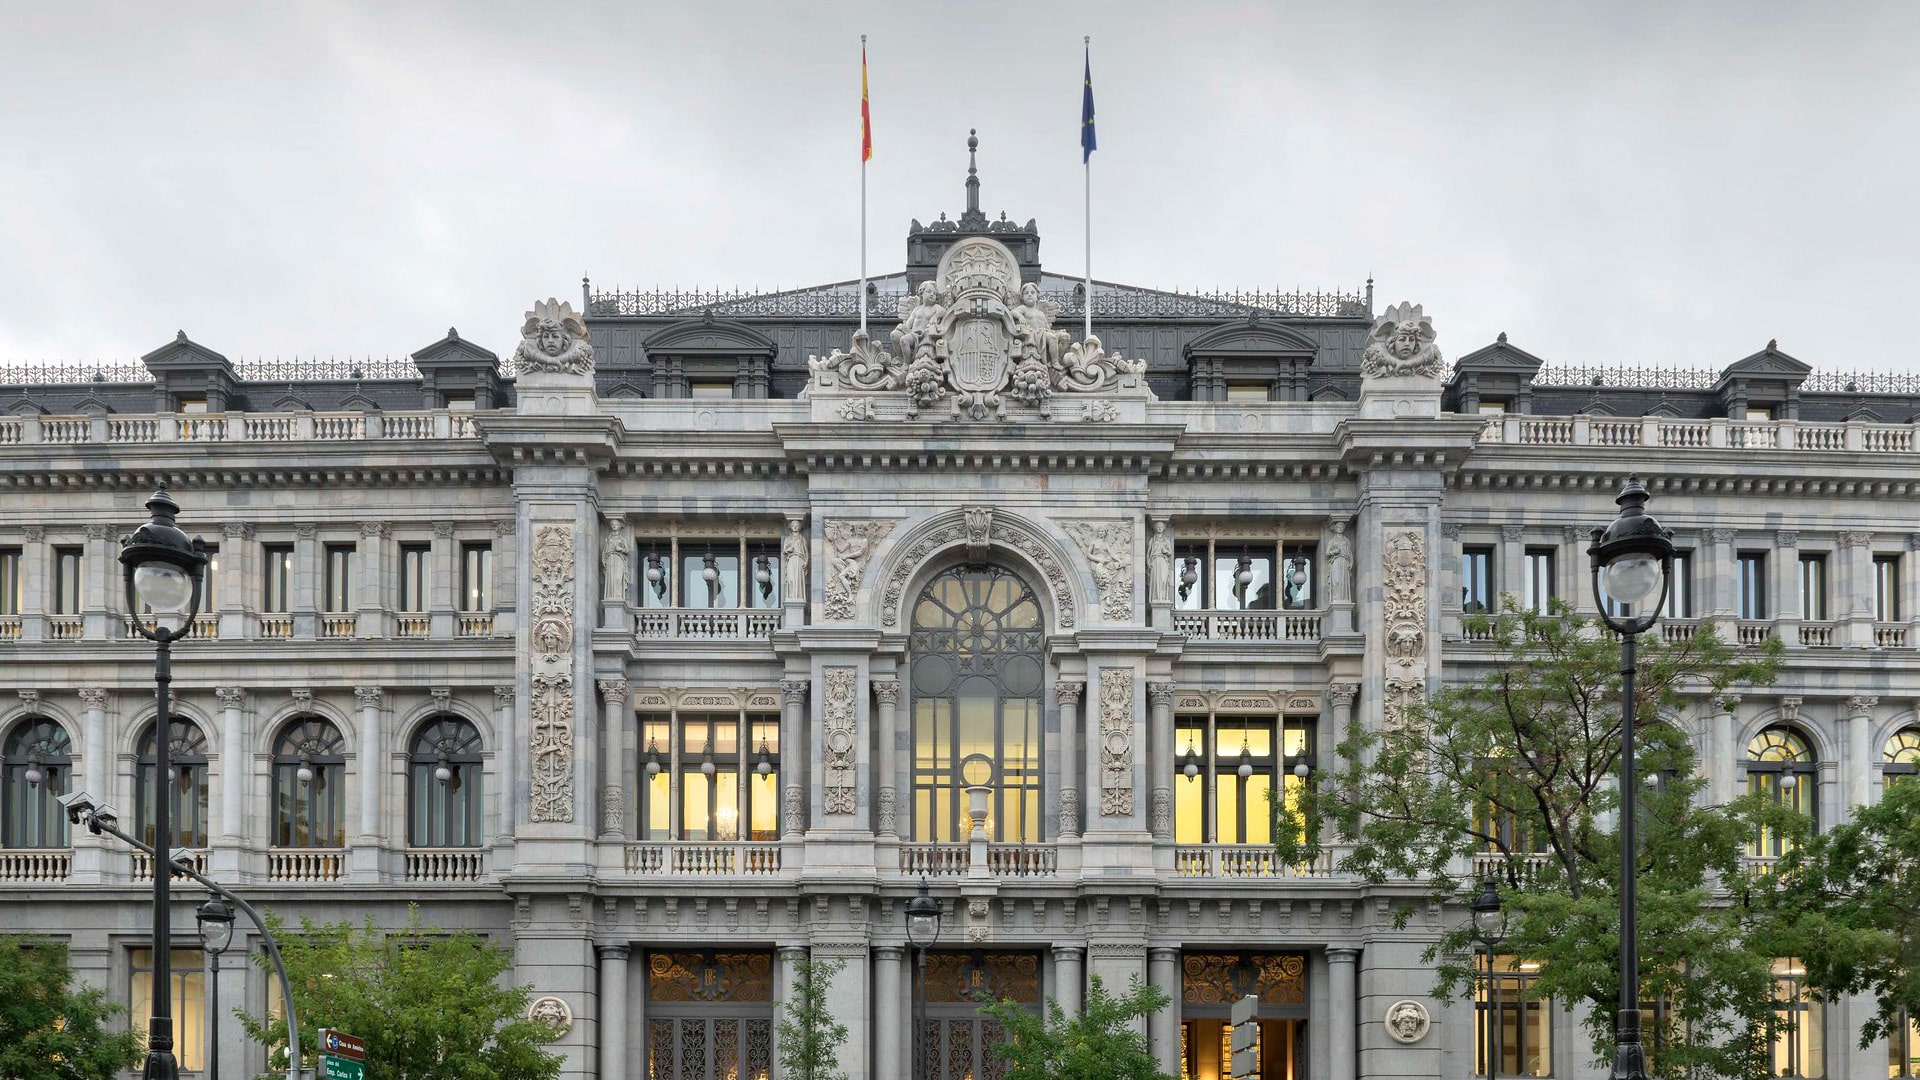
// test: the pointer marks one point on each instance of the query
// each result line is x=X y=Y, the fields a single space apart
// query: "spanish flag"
x=866 y=118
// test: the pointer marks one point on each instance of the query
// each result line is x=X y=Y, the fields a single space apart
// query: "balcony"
x=473 y=624
x=339 y=626
x=9 y=628
x=238 y=427
x=446 y=865
x=692 y=858
x=1243 y=861
x=412 y=626
x=1819 y=634
x=306 y=864
x=1712 y=434
x=276 y=627
x=1256 y=626
x=1887 y=635
x=704 y=624
x=1003 y=860
x=1493 y=864
x=36 y=865
x=64 y=628
x=206 y=627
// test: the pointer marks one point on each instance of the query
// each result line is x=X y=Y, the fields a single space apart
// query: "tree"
x=429 y=1004
x=810 y=1038
x=49 y=1027
x=1101 y=1043
x=1518 y=767
x=1847 y=903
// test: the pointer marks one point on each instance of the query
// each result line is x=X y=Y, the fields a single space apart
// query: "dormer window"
x=710 y=388
x=1247 y=391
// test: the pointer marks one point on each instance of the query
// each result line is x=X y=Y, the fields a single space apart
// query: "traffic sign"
x=333 y=1067
x=1244 y=1037
x=342 y=1044
x=1243 y=1009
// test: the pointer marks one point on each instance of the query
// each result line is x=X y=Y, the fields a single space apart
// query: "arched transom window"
x=977 y=683
x=1901 y=758
x=35 y=770
x=187 y=788
x=308 y=766
x=1780 y=766
x=443 y=784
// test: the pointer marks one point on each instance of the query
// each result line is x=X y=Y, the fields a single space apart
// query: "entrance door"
x=1206 y=1050
x=1211 y=983
x=709 y=1016
x=957 y=1043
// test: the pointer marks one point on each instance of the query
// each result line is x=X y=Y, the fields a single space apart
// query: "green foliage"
x=51 y=1029
x=429 y=1004
x=1518 y=767
x=810 y=1038
x=1099 y=1044
x=1847 y=903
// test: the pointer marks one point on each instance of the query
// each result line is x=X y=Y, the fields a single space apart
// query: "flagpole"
x=1086 y=164
x=865 y=135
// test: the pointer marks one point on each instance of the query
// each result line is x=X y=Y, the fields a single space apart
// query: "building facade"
x=700 y=633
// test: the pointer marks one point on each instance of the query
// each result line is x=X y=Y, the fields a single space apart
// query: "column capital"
x=1861 y=706
x=1512 y=533
x=443 y=530
x=791 y=952
x=886 y=691
x=1160 y=695
x=890 y=952
x=613 y=692
x=1342 y=953
x=1069 y=952
x=94 y=697
x=231 y=697
x=1341 y=694
x=613 y=950
x=373 y=530
x=1068 y=691
x=795 y=690
x=369 y=697
x=1786 y=538
x=1163 y=954
x=503 y=697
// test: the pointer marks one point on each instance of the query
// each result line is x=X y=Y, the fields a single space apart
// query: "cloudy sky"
x=1617 y=183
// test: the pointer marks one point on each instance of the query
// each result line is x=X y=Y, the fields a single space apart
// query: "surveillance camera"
x=77 y=804
x=105 y=815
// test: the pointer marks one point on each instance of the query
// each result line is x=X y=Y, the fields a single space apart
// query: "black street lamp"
x=1489 y=928
x=1632 y=563
x=923 y=929
x=216 y=933
x=163 y=571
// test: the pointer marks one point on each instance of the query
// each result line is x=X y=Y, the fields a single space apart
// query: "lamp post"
x=164 y=571
x=216 y=933
x=1632 y=562
x=923 y=929
x=1489 y=927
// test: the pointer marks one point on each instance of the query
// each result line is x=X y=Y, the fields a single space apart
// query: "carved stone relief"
x=1401 y=343
x=551 y=674
x=554 y=339
x=1402 y=696
x=849 y=545
x=839 y=711
x=998 y=532
x=1406 y=598
x=1108 y=547
x=1116 y=742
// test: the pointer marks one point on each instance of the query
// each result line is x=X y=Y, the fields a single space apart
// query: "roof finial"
x=1773 y=344
x=973 y=173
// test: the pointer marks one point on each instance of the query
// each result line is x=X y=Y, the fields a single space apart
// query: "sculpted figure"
x=616 y=558
x=1401 y=343
x=1407 y=1020
x=1160 y=565
x=554 y=339
x=915 y=330
x=1340 y=564
x=793 y=560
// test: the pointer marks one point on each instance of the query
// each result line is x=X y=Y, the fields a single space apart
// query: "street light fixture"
x=1489 y=928
x=923 y=930
x=216 y=933
x=1632 y=563
x=163 y=571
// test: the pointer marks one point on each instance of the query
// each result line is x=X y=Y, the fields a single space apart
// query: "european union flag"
x=1087 y=142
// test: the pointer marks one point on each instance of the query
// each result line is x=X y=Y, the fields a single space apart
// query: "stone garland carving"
x=551 y=674
x=1401 y=343
x=849 y=545
x=1069 y=811
x=1066 y=693
x=932 y=541
x=1108 y=547
x=554 y=339
x=1406 y=598
x=1116 y=742
x=839 y=711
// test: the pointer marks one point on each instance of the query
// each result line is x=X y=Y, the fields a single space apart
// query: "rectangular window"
x=339 y=578
x=414 y=561
x=1243 y=577
x=10 y=581
x=1476 y=580
x=719 y=771
x=210 y=581
x=763 y=575
x=709 y=576
x=1753 y=585
x=1813 y=587
x=1537 y=591
x=1247 y=391
x=1515 y=1030
x=1226 y=770
x=277 y=566
x=1886 y=587
x=66 y=581
x=1296 y=577
x=1493 y=406
x=1799 y=1024
x=710 y=388
x=1680 y=589
x=188 y=979
x=476 y=577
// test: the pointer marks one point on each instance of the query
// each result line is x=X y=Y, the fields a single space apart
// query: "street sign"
x=1243 y=1063
x=342 y=1044
x=1243 y=1009
x=1244 y=1037
x=340 y=1068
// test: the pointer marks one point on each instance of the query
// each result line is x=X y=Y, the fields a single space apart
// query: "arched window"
x=443 y=784
x=308 y=771
x=187 y=791
x=977 y=675
x=1901 y=758
x=36 y=768
x=1780 y=767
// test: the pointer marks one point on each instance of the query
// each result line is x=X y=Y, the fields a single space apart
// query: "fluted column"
x=1067 y=693
x=613 y=1010
x=1163 y=1027
x=889 y=962
x=234 y=773
x=1160 y=760
x=886 y=692
x=506 y=781
x=793 y=718
x=372 y=764
x=1343 y=1013
x=1069 y=977
x=613 y=797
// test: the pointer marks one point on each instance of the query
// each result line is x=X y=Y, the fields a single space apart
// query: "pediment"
x=1500 y=358
x=92 y=406
x=455 y=351
x=27 y=407
x=1596 y=408
x=290 y=403
x=711 y=337
x=1252 y=337
x=622 y=389
x=1769 y=363
x=359 y=401
x=1664 y=408
x=1330 y=392
x=182 y=353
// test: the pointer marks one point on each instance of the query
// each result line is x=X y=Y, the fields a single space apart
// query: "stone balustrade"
x=128 y=430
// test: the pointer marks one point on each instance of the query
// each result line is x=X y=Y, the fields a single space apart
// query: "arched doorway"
x=978 y=674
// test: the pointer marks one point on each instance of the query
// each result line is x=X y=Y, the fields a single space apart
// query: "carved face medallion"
x=553 y=339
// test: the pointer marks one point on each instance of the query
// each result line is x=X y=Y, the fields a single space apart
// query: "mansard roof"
x=1253 y=336
x=710 y=336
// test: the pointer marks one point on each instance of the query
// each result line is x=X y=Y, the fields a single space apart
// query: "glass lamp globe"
x=762 y=574
x=1303 y=770
x=706 y=766
x=33 y=775
x=1246 y=768
x=1245 y=576
x=163 y=587
x=653 y=573
x=1189 y=575
x=765 y=767
x=1631 y=578
x=653 y=767
x=1788 y=781
x=304 y=773
x=442 y=773
x=1191 y=768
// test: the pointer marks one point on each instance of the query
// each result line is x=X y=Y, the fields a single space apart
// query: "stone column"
x=1066 y=692
x=889 y=963
x=1853 y=590
x=1333 y=728
x=784 y=959
x=103 y=589
x=240 y=578
x=234 y=773
x=1163 y=971
x=1069 y=977
x=613 y=799
x=1160 y=761
x=442 y=583
x=372 y=764
x=506 y=780
x=1783 y=587
x=93 y=734
x=793 y=719
x=304 y=584
x=1719 y=574
x=1859 y=759
x=613 y=1010
x=1343 y=1013
x=1511 y=573
x=372 y=584
x=36 y=590
x=1722 y=754
x=887 y=693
